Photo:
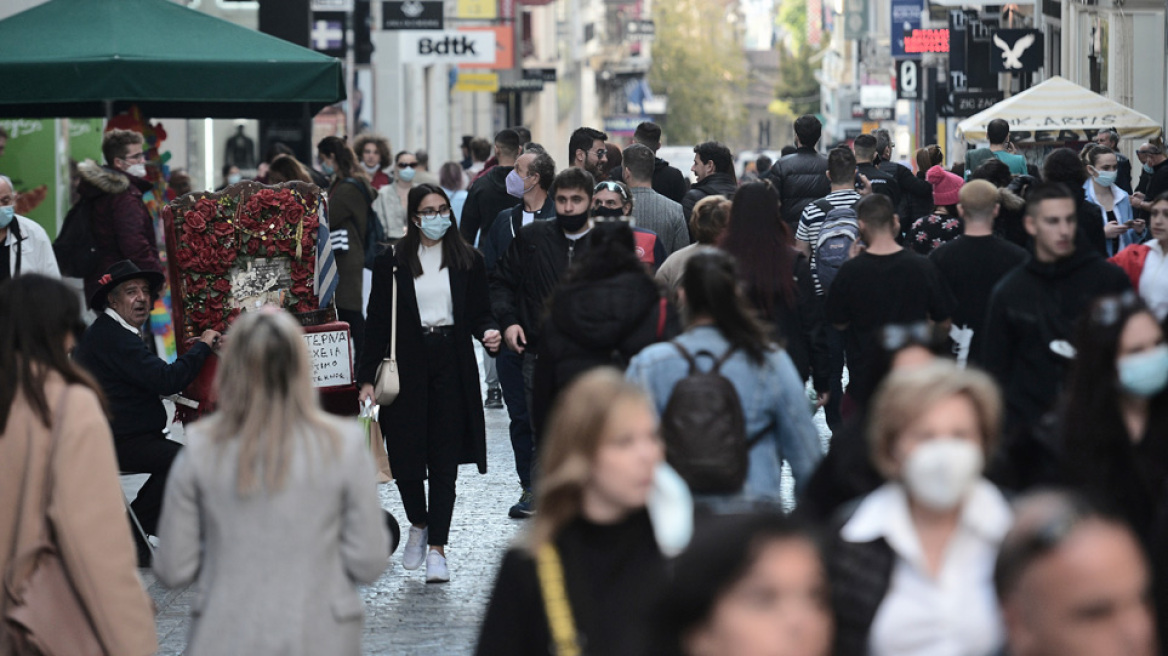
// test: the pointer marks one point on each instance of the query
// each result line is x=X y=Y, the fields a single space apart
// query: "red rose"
x=271 y=250
x=222 y=286
x=215 y=303
x=194 y=222
x=197 y=286
x=202 y=319
x=301 y=289
x=207 y=207
x=184 y=257
x=224 y=229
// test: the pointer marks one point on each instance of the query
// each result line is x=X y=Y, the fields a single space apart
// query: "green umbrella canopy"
x=77 y=58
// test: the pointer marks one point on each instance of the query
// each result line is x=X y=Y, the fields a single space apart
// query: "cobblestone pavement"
x=404 y=615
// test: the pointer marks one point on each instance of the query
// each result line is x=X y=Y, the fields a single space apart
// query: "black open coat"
x=404 y=421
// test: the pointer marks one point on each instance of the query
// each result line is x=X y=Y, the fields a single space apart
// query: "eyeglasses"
x=601 y=153
x=406 y=165
x=609 y=185
x=443 y=212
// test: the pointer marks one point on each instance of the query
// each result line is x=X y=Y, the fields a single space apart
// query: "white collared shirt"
x=955 y=613
x=1154 y=280
x=117 y=317
x=435 y=303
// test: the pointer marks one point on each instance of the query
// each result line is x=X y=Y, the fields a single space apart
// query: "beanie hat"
x=946 y=186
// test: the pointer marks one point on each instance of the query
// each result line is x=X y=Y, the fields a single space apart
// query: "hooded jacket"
x=668 y=181
x=715 y=184
x=122 y=227
x=1030 y=325
x=1011 y=211
x=596 y=323
x=801 y=178
x=486 y=198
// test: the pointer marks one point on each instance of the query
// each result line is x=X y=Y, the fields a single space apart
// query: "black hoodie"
x=668 y=181
x=721 y=184
x=486 y=198
x=1030 y=325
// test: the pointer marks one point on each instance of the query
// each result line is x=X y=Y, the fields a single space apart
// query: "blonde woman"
x=272 y=508
x=912 y=567
x=598 y=461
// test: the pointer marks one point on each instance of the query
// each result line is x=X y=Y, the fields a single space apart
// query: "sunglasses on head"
x=609 y=185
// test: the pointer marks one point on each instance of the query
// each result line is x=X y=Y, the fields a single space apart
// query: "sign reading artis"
x=447 y=47
x=412 y=15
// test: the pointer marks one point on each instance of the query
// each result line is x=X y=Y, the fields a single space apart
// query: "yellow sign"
x=868 y=127
x=477 y=82
x=483 y=9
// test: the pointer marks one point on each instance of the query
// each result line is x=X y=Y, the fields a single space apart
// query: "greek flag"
x=325 y=282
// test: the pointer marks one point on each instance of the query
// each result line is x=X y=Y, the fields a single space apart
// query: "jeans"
x=510 y=367
x=147 y=453
x=446 y=421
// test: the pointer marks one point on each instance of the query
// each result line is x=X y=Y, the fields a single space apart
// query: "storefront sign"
x=923 y=41
x=855 y=19
x=472 y=82
x=503 y=49
x=908 y=79
x=447 y=47
x=968 y=103
x=1016 y=51
x=906 y=17
x=412 y=15
x=478 y=9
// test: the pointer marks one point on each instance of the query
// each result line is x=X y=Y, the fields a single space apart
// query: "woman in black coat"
x=436 y=423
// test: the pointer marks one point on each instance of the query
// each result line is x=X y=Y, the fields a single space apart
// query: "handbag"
x=387 y=383
x=45 y=616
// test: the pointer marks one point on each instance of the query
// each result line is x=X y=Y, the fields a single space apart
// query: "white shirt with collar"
x=117 y=317
x=952 y=614
x=1154 y=280
x=435 y=303
x=36 y=249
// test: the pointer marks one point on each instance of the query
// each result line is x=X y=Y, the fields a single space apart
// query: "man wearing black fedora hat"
x=134 y=379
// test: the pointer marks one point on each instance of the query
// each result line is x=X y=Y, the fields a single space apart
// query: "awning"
x=78 y=58
x=1059 y=110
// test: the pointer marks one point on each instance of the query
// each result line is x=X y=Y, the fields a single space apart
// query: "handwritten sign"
x=332 y=365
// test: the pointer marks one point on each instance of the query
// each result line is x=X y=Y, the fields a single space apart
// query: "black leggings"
x=446 y=419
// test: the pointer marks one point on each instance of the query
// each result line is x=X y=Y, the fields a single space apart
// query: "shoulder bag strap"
x=555 y=599
x=393 y=310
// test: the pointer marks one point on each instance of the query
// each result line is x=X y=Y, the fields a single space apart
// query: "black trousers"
x=356 y=323
x=446 y=422
x=147 y=453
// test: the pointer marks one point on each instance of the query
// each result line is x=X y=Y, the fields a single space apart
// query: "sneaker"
x=436 y=571
x=415 y=552
x=524 y=508
x=494 y=399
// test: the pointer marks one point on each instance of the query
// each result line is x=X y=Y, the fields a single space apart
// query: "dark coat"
x=348 y=210
x=486 y=197
x=800 y=178
x=122 y=227
x=860 y=574
x=507 y=224
x=597 y=323
x=715 y=184
x=668 y=181
x=404 y=422
x=916 y=194
x=801 y=330
x=1124 y=168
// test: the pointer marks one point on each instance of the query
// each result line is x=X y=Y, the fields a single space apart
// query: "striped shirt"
x=812 y=219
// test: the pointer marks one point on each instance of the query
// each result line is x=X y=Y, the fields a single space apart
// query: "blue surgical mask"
x=1106 y=178
x=234 y=178
x=434 y=228
x=1144 y=374
x=7 y=214
x=406 y=174
x=1148 y=168
x=327 y=169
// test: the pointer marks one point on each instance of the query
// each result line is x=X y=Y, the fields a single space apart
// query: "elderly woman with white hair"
x=912 y=566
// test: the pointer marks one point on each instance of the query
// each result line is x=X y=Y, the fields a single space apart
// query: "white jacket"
x=35 y=250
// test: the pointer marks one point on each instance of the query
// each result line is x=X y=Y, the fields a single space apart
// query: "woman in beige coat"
x=38 y=387
x=273 y=508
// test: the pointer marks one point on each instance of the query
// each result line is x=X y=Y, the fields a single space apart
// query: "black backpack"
x=75 y=248
x=375 y=237
x=704 y=428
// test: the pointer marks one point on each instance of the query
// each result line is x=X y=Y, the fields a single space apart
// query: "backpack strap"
x=718 y=362
x=693 y=365
x=824 y=206
x=360 y=187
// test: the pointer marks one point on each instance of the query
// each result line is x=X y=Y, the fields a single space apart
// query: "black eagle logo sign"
x=1012 y=55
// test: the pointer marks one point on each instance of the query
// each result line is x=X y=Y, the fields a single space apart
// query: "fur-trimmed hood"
x=97 y=180
x=1010 y=200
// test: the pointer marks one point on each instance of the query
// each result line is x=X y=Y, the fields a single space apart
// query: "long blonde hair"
x=574 y=433
x=266 y=399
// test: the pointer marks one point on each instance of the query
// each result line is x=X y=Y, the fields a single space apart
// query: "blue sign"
x=906 y=17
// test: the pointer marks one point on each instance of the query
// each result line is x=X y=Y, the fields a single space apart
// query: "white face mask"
x=670 y=510
x=940 y=472
x=137 y=170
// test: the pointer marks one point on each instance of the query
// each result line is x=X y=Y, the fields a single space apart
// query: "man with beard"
x=714 y=167
x=586 y=151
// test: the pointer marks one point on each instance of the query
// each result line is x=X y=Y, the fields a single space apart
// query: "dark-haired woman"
x=607 y=309
x=350 y=196
x=53 y=424
x=436 y=423
x=778 y=281
x=774 y=405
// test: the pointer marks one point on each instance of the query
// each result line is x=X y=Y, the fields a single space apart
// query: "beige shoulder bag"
x=387 y=384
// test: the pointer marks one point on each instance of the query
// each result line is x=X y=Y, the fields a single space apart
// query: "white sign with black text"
x=332 y=365
x=448 y=47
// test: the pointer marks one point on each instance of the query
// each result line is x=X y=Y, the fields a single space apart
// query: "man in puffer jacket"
x=714 y=168
x=802 y=177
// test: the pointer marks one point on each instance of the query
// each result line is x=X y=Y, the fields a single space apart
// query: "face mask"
x=7 y=213
x=234 y=178
x=406 y=174
x=607 y=212
x=515 y=184
x=1106 y=178
x=436 y=227
x=1148 y=168
x=371 y=169
x=571 y=222
x=941 y=471
x=670 y=511
x=1144 y=374
x=327 y=169
x=137 y=170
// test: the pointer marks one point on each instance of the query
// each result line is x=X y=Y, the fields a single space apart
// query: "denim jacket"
x=772 y=396
x=1123 y=212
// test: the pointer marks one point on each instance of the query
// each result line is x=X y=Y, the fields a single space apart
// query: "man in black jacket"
x=801 y=177
x=714 y=167
x=1032 y=313
x=916 y=194
x=488 y=195
x=667 y=180
x=133 y=379
x=865 y=148
x=535 y=263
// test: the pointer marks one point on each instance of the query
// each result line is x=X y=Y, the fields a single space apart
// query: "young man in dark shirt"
x=882 y=183
x=882 y=284
x=972 y=265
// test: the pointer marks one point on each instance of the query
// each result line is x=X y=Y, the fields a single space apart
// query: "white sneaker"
x=436 y=571
x=415 y=552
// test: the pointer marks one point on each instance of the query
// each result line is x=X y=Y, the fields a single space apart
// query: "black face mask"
x=607 y=212
x=571 y=222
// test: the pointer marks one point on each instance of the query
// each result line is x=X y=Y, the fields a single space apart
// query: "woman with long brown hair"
x=591 y=530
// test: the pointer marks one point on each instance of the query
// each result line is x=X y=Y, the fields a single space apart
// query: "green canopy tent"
x=86 y=58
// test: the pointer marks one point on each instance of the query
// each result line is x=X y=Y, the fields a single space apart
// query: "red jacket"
x=122 y=227
x=1131 y=260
